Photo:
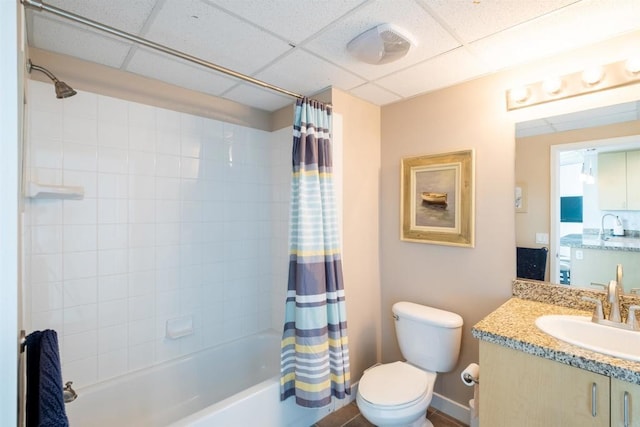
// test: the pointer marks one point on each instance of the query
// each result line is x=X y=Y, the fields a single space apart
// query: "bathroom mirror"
x=557 y=178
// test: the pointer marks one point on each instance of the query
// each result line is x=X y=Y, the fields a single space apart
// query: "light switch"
x=542 y=238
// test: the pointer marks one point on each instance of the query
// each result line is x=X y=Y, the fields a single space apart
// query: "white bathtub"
x=235 y=384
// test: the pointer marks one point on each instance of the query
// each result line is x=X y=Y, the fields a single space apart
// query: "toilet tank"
x=429 y=338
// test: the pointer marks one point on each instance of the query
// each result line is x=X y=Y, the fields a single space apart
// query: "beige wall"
x=471 y=282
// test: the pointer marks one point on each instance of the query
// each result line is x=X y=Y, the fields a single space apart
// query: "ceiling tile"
x=427 y=76
x=431 y=38
x=374 y=94
x=178 y=72
x=293 y=20
x=258 y=97
x=474 y=20
x=211 y=34
x=577 y=25
x=125 y=15
x=75 y=40
x=306 y=74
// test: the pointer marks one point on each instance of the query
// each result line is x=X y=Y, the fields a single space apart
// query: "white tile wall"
x=182 y=215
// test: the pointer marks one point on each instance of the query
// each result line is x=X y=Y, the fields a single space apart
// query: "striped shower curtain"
x=315 y=353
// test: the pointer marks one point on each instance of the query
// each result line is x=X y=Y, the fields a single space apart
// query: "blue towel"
x=45 y=398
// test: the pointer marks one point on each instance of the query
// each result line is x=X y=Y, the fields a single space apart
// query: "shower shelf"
x=43 y=191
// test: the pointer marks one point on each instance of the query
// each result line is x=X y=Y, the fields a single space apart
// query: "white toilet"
x=399 y=393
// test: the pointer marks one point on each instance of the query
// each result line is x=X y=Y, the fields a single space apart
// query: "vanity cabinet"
x=625 y=404
x=619 y=180
x=518 y=389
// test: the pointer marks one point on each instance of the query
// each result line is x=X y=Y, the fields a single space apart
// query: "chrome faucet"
x=614 y=291
x=613 y=294
x=602 y=223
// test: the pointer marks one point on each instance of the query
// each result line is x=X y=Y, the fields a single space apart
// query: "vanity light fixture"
x=590 y=80
x=587 y=177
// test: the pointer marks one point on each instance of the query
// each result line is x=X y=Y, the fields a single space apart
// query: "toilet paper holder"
x=470 y=378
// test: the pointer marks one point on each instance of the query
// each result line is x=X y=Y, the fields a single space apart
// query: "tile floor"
x=350 y=416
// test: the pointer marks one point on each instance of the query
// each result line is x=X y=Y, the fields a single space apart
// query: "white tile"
x=113 y=110
x=83 y=105
x=46 y=239
x=190 y=168
x=46 y=297
x=115 y=135
x=167 y=234
x=141 y=259
x=167 y=257
x=83 y=372
x=112 y=364
x=78 y=265
x=168 y=142
x=46 y=153
x=46 y=212
x=190 y=145
x=167 y=188
x=167 y=166
x=168 y=303
x=113 y=287
x=111 y=185
x=140 y=308
x=52 y=319
x=168 y=210
x=112 y=312
x=82 y=318
x=80 y=345
x=112 y=236
x=141 y=283
x=142 y=115
x=142 y=187
x=191 y=211
x=46 y=268
x=112 y=338
x=168 y=120
x=86 y=180
x=167 y=279
x=80 y=130
x=80 y=157
x=141 y=211
x=113 y=261
x=190 y=276
x=142 y=139
x=142 y=236
x=141 y=331
x=39 y=96
x=80 y=292
x=142 y=355
x=77 y=212
x=113 y=211
x=45 y=125
x=112 y=160
x=166 y=349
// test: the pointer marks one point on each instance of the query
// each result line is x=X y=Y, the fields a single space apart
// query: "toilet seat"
x=396 y=385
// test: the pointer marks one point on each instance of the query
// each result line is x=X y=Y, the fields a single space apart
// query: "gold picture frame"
x=437 y=199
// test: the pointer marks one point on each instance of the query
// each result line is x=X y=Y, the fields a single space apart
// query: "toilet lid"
x=393 y=384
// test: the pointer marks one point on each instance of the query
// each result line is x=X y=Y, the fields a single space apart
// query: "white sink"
x=582 y=332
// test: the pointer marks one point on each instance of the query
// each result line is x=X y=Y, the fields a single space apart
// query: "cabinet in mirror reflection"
x=566 y=164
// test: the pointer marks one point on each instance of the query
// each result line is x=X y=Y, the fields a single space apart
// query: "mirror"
x=560 y=208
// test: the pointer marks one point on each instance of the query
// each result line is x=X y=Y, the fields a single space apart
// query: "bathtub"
x=235 y=384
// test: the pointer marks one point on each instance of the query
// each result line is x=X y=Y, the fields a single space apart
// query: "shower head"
x=63 y=90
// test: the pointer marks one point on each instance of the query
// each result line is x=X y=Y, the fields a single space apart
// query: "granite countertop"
x=594 y=241
x=513 y=325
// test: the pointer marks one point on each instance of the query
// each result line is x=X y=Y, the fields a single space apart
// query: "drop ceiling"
x=301 y=45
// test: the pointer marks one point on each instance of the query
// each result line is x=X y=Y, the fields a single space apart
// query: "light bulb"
x=633 y=65
x=592 y=75
x=519 y=94
x=552 y=85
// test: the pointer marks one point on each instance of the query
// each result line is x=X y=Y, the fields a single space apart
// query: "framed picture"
x=437 y=199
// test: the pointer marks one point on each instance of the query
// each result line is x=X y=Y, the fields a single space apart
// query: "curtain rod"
x=40 y=6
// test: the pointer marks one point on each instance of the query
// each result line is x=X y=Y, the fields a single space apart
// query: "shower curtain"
x=315 y=354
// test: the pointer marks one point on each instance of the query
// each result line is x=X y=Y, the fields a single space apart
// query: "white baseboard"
x=451 y=408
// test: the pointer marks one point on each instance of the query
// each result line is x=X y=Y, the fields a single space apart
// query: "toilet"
x=399 y=393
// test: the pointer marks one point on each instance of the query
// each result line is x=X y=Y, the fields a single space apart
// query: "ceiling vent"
x=380 y=45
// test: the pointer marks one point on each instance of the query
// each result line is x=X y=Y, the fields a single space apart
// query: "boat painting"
x=434 y=198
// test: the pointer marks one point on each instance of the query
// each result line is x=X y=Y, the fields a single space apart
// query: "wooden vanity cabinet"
x=619 y=406
x=518 y=389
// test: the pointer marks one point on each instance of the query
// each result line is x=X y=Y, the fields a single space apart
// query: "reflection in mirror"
x=581 y=173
